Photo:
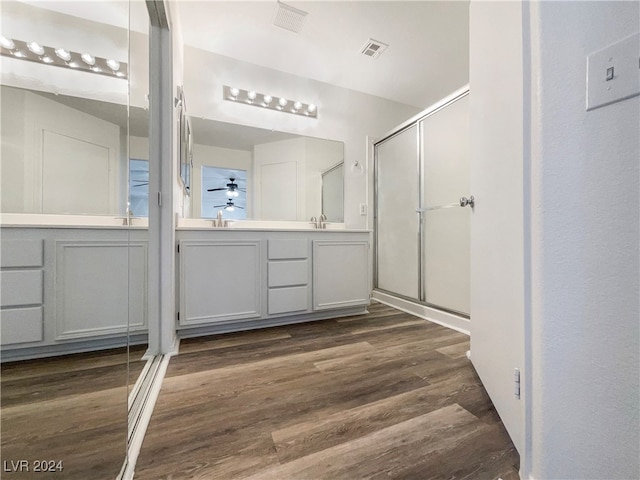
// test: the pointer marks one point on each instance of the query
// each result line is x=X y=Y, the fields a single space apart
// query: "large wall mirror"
x=74 y=319
x=258 y=174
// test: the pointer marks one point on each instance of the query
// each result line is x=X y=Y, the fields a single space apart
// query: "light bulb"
x=234 y=92
x=267 y=99
x=96 y=69
x=73 y=65
x=35 y=48
x=311 y=108
x=120 y=74
x=7 y=43
x=297 y=106
x=282 y=102
x=88 y=59
x=251 y=95
x=113 y=64
x=63 y=54
x=47 y=59
x=19 y=54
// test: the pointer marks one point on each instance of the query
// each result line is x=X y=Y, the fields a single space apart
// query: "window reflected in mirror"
x=139 y=187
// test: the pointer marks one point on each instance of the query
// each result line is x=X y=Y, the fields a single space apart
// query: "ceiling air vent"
x=289 y=18
x=373 y=48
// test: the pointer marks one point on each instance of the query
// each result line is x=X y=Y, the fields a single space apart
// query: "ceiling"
x=427 y=57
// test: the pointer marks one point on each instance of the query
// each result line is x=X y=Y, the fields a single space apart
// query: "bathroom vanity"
x=71 y=283
x=239 y=278
x=79 y=283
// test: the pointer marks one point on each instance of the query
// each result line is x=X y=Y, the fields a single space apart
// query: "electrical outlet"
x=363 y=209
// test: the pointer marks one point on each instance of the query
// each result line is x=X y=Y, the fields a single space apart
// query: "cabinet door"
x=340 y=274
x=220 y=281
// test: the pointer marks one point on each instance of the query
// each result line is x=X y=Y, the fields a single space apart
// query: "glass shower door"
x=446 y=228
x=397 y=223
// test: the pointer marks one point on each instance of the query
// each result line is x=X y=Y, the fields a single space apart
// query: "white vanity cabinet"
x=65 y=290
x=235 y=279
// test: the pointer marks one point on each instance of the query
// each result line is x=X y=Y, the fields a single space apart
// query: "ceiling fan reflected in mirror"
x=232 y=188
x=229 y=206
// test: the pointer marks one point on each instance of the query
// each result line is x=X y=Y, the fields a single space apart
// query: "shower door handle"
x=463 y=202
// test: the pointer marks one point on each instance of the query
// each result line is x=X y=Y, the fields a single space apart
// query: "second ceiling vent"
x=289 y=18
x=373 y=48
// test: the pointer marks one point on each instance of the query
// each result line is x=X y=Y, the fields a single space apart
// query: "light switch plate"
x=613 y=73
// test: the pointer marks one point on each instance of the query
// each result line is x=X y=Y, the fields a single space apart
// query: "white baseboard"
x=449 y=320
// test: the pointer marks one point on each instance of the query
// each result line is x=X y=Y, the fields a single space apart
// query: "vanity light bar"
x=263 y=100
x=60 y=57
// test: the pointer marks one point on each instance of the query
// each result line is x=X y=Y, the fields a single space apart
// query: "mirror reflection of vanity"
x=280 y=176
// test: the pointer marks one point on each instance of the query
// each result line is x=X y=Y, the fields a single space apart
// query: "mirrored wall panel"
x=276 y=175
x=73 y=262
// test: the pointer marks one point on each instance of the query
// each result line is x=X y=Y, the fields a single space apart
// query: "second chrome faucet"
x=320 y=222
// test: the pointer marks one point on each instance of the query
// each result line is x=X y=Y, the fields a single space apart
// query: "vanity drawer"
x=287 y=300
x=288 y=273
x=21 y=287
x=22 y=325
x=21 y=253
x=282 y=249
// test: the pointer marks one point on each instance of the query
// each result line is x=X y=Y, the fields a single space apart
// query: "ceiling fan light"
x=229 y=208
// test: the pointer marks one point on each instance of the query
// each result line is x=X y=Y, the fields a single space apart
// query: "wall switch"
x=613 y=73
x=363 y=209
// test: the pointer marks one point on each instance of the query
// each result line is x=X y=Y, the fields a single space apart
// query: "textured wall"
x=585 y=256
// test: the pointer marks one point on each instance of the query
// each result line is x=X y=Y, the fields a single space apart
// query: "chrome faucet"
x=314 y=220
x=128 y=217
x=322 y=221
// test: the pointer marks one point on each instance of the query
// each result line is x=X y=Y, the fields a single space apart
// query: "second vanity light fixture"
x=59 y=57
x=263 y=100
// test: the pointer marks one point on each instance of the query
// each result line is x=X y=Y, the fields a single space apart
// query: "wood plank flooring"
x=382 y=395
x=71 y=408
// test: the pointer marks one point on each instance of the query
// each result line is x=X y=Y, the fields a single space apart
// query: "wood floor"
x=72 y=409
x=383 y=395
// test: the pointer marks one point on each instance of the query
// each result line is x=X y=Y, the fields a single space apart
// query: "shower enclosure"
x=423 y=208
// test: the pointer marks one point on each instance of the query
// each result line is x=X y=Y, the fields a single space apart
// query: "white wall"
x=585 y=210
x=497 y=253
x=320 y=156
x=344 y=115
x=574 y=249
x=139 y=148
x=206 y=155
x=28 y=119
